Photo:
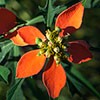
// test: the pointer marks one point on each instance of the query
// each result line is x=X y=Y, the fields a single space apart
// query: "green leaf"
x=59 y=9
x=36 y=91
x=49 y=12
x=2 y=3
x=52 y=12
x=74 y=75
x=6 y=46
x=19 y=95
x=95 y=3
x=15 y=28
x=11 y=63
x=72 y=89
x=91 y=3
x=14 y=92
x=87 y=4
x=74 y=81
x=16 y=55
x=4 y=72
x=35 y=20
x=74 y=84
x=85 y=82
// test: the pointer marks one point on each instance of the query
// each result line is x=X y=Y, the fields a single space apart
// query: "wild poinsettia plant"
x=54 y=46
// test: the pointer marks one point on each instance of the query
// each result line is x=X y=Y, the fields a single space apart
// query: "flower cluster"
x=54 y=46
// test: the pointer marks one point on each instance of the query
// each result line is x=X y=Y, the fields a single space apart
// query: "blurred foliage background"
x=32 y=88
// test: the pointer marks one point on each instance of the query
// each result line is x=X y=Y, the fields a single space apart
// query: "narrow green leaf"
x=85 y=82
x=11 y=63
x=87 y=3
x=74 y=81
x=84 y=1
x=16 y=55
x=5 y=48
x=72 y=89
x=59 y=9
x=50 y=13
x=36 y=91
x=19 y=95
x=43 y=9
x=96 y=3
x=4 y=72
x=13 y=92
x=12 y=30
x=35 y=20
x=74 y=84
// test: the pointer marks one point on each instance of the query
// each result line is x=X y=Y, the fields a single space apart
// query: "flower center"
x=54 y=45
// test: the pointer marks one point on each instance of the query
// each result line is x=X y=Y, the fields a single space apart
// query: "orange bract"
x=7 y=20
x=29 y=64
x=16 y=38
x=70 y=19
x=26 y=35
x=54 y=78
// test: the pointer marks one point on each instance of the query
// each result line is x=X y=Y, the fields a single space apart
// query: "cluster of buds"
x=55 y=45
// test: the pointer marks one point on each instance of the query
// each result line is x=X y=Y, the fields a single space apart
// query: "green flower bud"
x=38 y=54
x=57 y=62
x=58 y=29
x=38 y=40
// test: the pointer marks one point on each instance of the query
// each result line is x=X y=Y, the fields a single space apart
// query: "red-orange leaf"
x=30 y=64
x=54 y=78
x=25 y=35
x=70 y=19
x=79 y=52
x=7 y=20
x=16 y=38
x=81 y=42
x=29 y=34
